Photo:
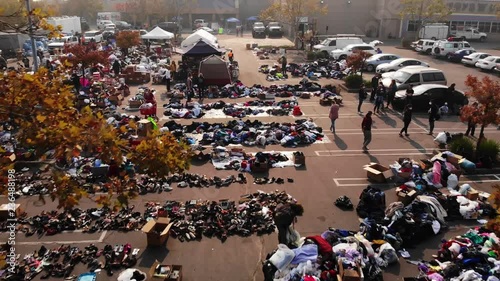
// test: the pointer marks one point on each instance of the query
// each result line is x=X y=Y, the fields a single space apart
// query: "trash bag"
x=452 y=181
x=344 y=202
x=293 y=236
x=282 y=257
x=441 y=138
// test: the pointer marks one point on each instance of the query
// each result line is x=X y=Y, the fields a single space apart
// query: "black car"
x=173 y=27
x=423 y=94
x=122 y=25
x=459 y=55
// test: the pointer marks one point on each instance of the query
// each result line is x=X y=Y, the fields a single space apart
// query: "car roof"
x=381 y=55
x=425 y=87
x=358 y=45
x=400 y=60
x=415 y=69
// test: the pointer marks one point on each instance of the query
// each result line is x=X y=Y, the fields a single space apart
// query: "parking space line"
x=340 y=182
x=101 y=238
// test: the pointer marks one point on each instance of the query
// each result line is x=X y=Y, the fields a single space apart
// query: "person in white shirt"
x=161 y=73
x=167 y=78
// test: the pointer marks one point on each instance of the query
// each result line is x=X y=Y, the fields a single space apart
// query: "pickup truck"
x=60 y=43
x=94 y=34
x=274 y=29
x=259 y=30
x=470 y=34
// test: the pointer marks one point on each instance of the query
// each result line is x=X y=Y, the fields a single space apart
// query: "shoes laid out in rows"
x=272 y=180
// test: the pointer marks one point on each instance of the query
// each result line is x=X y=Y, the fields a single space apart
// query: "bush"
x=368 y=84
x=488 y=148
x=311 y=55
x=353 y=81
x=462 y=146
x=406 y=43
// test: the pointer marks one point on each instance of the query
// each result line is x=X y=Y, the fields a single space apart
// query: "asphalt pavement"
x=333 y=168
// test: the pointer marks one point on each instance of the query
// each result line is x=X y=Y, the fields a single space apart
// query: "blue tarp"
x=232 y=20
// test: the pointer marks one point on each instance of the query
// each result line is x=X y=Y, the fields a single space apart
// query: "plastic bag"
x=441 y=138
x=282 y=258
x=452 y=181
x=293 y=236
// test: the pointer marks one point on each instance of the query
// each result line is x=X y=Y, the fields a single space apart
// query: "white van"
x=336 y=43
x=424 y=46
x=101 y=24
x=414 y=75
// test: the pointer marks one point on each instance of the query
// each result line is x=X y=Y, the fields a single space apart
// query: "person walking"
x=379 y=98
x=393 y=88
x=471 y=124
x=361 y=97
x=375 y=81
x=284 y=63
x=117 y=67
x=366 y=127
x=407 y=115
x=168 y=78
x=230 y=56
x=409 y=94
x=173 y=70
x=433 y=116
x=285 y=216
x=334 y=115
x=450 y=98
x=201 y=87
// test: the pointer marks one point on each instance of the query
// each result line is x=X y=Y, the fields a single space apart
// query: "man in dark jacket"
x=284 y=216
x=433 y=116
x=375 y=81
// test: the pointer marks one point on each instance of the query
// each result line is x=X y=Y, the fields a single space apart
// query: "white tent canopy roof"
x=200 y=34
x=158 y=34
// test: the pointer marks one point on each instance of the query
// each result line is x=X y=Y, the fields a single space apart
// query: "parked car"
x=398 y=64
x=424 y=46
x=497 y=68
x=372 y=62
x=336 y=43
x=199 y=23
x=207 y=29
x=258 y=30
x=444 y=47
x=488 y=63
x=470 y=60
x=423 y=94
x=94 y=34
x=458 y=55
x=274 y=29
x=350 y=49
x=60 y=43
x=122 y=25
x=414 y=75
x=101 y=24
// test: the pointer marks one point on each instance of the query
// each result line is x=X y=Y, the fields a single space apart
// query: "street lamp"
x=30 y=30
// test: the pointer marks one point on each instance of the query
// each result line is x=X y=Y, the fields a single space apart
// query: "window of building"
x=456 y=25
x=471 y=24
x=412 y=25
x=484 y=26
x=495 y=27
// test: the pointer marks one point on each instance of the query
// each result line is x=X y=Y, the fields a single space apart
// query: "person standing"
x=361 y=97
x=393 y=88
x=173 y=70
x=375 y=81
x=201 y=87
x=366 y=127
x=116 y=67
x=379 y=98
x=284 y=216
x=230 y=56
x=433 y=116
x=284 y=63
x=189 y=87
x=450 y=98
x=168 y=78
x=409 y=94
x=407 y=115
x=334 y=115
x=471 y=124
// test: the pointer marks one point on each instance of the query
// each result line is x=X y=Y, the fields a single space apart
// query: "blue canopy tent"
x=253 y=18
x=233 y=20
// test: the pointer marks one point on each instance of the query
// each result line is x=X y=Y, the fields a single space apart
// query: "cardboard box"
x=378 y=173
x=260 y=167
x=349 y=274
x=406 y=197
x=157 y=231
x=5 y=210
x=473 y=194
x=237 y=152
x=172 y=272
x=299 y=159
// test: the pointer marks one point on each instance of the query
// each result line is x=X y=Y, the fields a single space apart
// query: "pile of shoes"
x=60 y=262
x=194 y=219
x=344 y=202
x=272 y=180
x=194 y=180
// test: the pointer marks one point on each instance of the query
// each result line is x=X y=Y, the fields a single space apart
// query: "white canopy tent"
x=200 y=34
x=158 y=34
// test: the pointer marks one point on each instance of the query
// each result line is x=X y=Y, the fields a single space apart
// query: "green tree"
x=425 y=11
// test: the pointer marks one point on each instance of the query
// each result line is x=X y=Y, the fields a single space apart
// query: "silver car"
x=372 y=62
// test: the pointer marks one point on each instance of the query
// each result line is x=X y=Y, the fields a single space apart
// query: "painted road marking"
x=353 y=182
x=375 y=152
x=100 y=240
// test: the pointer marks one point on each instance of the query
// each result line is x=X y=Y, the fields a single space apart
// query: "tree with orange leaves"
x=87 y=55
x=357 y=61
x=494 y=200
x=127 y=39
x=486 y=93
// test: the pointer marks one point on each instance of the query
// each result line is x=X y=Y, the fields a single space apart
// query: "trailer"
x=434 y=32
x=10 y=43
x=70 y=25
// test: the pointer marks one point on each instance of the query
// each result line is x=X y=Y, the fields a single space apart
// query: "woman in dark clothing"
x=201 y=86
x=285 y=215
x=116 y=67
x=407 y=114
x=366 y=127
x=433 y=116
x=471 y=125
x=379 y=98
x=393 y=88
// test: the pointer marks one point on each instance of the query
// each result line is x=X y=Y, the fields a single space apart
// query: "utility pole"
x=30 y=30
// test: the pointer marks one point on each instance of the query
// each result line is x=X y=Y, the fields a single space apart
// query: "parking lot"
x=333 y=168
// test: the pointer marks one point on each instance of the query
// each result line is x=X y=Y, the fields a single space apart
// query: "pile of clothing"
x=250 y=133
x=224 y=160
x=192 y=220
x=469 y=257
x=313 y=70
x=322 y=257
x=60 y=262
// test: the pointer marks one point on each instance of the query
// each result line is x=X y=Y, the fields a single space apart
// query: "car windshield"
x=258 y=24
x=90 y=33
x=325 y=42
x=401 y=76
x=274 y=24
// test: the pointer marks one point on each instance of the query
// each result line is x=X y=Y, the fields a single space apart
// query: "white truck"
x=470 y=34
x=434 y=32
x=104 y=18
x=60 y=43
x=70 y=25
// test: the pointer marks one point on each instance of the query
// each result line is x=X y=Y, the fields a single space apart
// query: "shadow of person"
x=389 y=121
x=339 y=142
